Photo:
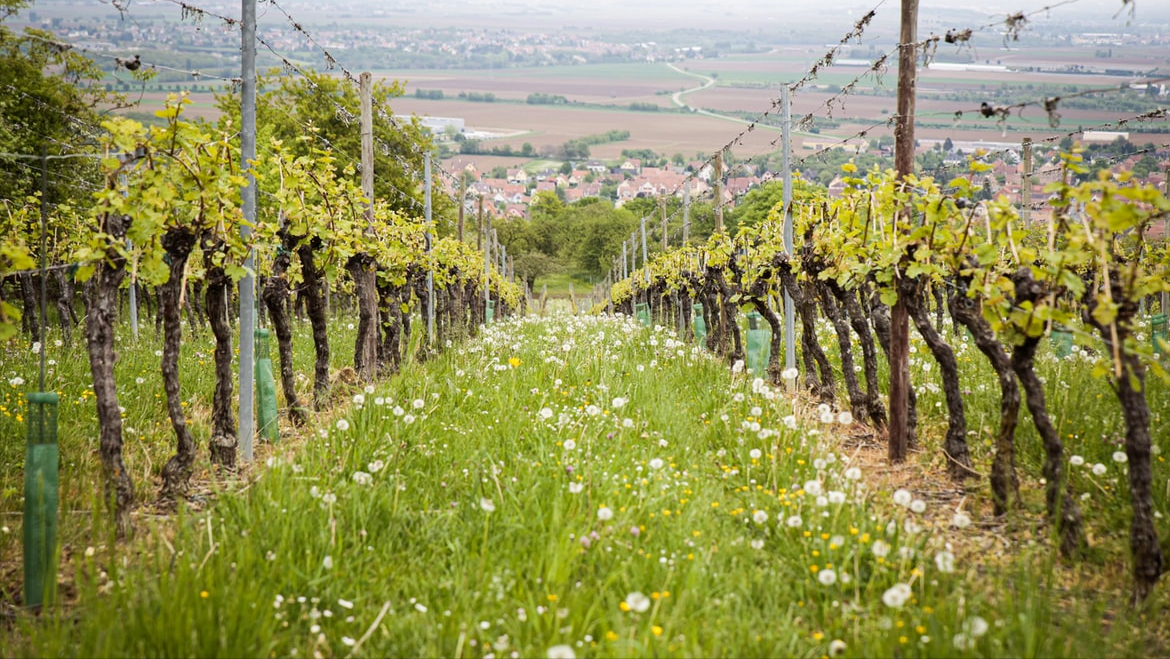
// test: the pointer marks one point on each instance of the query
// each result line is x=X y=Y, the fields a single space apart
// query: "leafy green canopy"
x=49 y=104
x=329 y=108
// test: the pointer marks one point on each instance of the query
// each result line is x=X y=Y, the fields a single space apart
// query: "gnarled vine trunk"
x=315 y=307
x=102 y=313
x=879 y=314
x=66 y=316
x=860 y=325
x=804 y=301
x=857 y=400
x=176 y=473
x=1129 y=386
x=1005 y=483
x=30 y=320
x=1062 y=508
x=365 y=349
x=776 y=340
x=955 y=449
x=275 y=295
x=224 y=438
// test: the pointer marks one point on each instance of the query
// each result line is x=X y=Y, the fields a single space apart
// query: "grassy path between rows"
x=573 y=486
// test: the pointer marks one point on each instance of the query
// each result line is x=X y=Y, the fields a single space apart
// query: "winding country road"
x=677 y=99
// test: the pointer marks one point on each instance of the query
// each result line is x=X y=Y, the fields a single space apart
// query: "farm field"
x=762 y=75
x=750 y=84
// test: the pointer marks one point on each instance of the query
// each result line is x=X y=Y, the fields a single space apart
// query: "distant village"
x=511 y=196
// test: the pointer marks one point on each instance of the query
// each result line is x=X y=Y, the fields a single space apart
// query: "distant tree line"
x=606 y=137
x=479 y=97
x=538 y=98
x=478 y=148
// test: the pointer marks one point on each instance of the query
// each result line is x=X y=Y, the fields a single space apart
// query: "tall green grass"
x=589 y=483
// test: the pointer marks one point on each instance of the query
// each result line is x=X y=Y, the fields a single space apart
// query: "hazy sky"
x=749 y=14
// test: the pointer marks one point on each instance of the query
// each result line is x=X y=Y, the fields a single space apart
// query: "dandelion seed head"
x=945 y=561
x=895 y=596
x=903 y=498
x=827 y=577
x=637 y=602
x=961 y=520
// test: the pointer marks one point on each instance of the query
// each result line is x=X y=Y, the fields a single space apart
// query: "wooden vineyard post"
x=903 y=165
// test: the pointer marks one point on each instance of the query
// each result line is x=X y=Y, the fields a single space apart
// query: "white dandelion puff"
x=896 y=595
x=903 y=497
x=637 y=602
x=827 y=577
x=944 y=561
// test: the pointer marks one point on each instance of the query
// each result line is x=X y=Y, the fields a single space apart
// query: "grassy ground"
x=581 y=485
x=558 y=284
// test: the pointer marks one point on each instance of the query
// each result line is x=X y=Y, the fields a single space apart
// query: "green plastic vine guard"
x=40 y=500
x=642 y=313
x=490 y=312
x=759 y=344
x=1062 y=341
x=700 y=324
x=1158 y=331
x=266 y=416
